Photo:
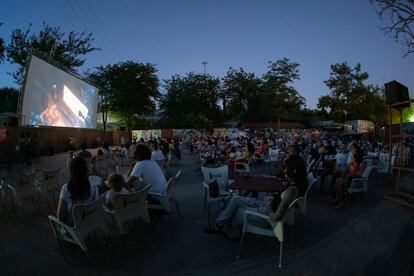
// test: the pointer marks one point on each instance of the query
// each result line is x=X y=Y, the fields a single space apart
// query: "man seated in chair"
x=149 y=171
x=274 y=206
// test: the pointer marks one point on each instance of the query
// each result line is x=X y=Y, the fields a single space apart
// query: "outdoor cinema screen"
x=53 y=97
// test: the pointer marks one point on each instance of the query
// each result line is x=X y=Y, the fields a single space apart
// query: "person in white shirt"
x=157 y=154
x=149 y=171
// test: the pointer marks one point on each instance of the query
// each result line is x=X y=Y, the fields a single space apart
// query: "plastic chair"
x=129 y=207
x=24 y=189
x=50 y=182
x=87 y=217
x=243 y=168
x=166 y=197
x=219 y=174
x=273 y=154
x=303 y=204
x=360 y=184
x=271 y=228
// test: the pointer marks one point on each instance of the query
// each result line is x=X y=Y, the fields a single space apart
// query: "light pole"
x=204 y=65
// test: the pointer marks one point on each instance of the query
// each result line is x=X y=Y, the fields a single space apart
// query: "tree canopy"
x=2 y=48
x=350 y=98
x=191 y=101
x=8 y=99
x=401 y=16
x=67 y=49
x=280 y=99
x=241 y=95
x=129 y=90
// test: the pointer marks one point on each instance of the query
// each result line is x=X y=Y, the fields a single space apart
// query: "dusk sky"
x=177 y=35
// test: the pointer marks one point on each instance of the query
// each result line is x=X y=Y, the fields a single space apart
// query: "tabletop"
x=262 y=184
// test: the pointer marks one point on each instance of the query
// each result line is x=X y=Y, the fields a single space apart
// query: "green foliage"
x=350 y=98
x=241 y=95
x=8 y=99
x=280 y=99
x=2 y=48
x=66 y=49
x=191 y=101
x=128 y=90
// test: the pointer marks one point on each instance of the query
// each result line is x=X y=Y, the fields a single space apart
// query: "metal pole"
x=204 y=65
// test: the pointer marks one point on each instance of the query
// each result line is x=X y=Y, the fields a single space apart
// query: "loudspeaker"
x=396 y=92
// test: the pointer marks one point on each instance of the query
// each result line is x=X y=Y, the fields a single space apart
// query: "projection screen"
x=53 y=97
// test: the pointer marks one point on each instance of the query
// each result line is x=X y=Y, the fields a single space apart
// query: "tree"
x=191 y=101
x=129 y=90
x=66 y=49
x=279 y=98
x=401 y=15
x=350 y=98
x=242 y=91
x=2 y=49
x=8 y=99
x=102 y=80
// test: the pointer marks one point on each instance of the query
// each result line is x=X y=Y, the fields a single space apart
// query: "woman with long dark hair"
x=77 y=190
x=273 y=206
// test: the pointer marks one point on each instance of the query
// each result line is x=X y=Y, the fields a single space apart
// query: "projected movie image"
x=53 y=97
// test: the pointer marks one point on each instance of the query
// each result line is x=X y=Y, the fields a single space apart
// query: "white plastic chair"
x=253 y=223
x=24 y=189
x=243 y=168
x=360 y=184
x=303 y=203
x=384 y=159
x=273 y=154
x=166 y=197
x=129 y=207
x=220 y=174
x=50 y=182
x=87 y=217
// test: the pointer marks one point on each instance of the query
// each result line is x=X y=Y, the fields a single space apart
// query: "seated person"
x=84 y=153
x=77 y=190
x=275 y=206
x=260 y=150
x=355 y=169
x=157 y=154
x=149 y=171
x=323 y=167
x=116 y=184
x=248 y=152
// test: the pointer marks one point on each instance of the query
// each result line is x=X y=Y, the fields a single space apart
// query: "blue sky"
x=177 y=35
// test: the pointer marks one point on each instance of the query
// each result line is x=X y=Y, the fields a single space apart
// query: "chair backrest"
x=88 y=217
x=130 y=206
x=177 y=175
x=220 y=174
x=24 y=185
x=50 y=180
x=274 y=154
x=311 y=180
x=384 y=160
x=101 y=167
x=367 y=171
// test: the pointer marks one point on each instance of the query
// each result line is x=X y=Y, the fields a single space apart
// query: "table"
x=260 y=184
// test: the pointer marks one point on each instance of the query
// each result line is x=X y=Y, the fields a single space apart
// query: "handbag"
x=213 y=189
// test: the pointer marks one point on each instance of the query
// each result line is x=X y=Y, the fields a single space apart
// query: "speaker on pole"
x=395 y=92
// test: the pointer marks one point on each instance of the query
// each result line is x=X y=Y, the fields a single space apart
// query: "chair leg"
x=280 y=254
x=178 y=209
x=241 y=244
x=62 y=250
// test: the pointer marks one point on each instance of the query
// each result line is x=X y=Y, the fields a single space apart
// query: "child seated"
x=116 y=184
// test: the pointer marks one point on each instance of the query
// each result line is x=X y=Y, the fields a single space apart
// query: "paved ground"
x=370 y=237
